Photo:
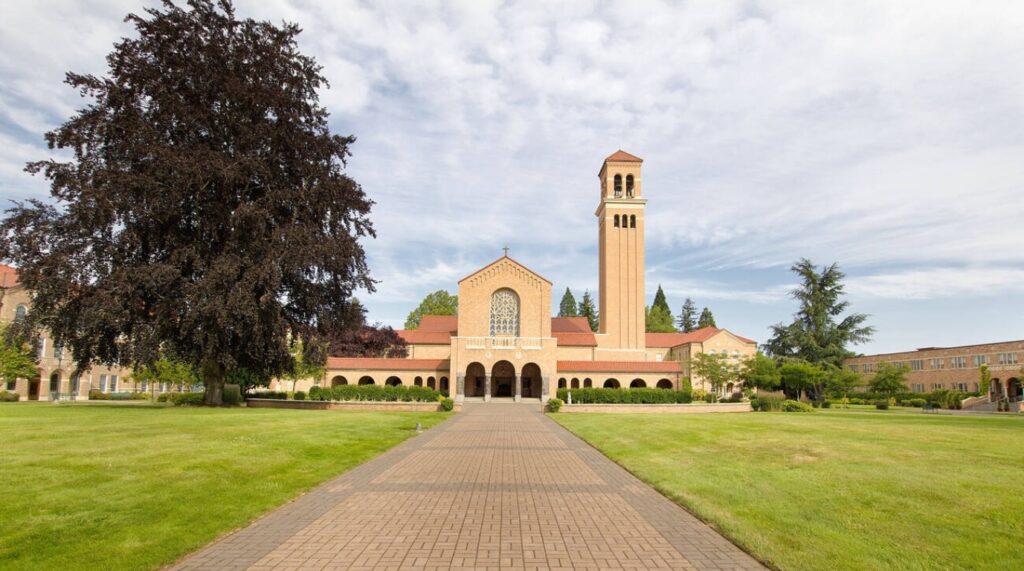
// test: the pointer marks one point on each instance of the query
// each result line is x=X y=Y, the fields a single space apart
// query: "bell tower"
x=620 y=222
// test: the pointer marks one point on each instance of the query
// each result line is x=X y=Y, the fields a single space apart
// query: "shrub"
x=96 y=394
x=9 y=397
x=447 y=404
x=735 y=397
x=826 y=404
x=882 y=404
x=299 y=395
x=554 y=405
x=624 y=396
x=916 y=403
x=276 y=395
x=232 y=395
x=378 y=393
x=767 y=403
x=315 y=393
x=187 y=399
x=796 y=406
x=120 y=396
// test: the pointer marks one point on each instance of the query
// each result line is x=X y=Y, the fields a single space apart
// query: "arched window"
x=587 y=383
x=431 y=383
x=638 y=384
x=505 y=313
x=575 y=383
x=367 y=380
x=618 y=186
x=616 y=220
x=338 y=380
x=629 y=186
x=664 y=384
x=20 y=312
x=393 y=382
x=561 y=383
x=418 y=381
x=444 y=386
x=611 y=384
x=632 y=220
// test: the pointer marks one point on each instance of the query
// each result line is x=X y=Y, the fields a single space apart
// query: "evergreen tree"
x=588 y=310
x=815 y=335
x=439 y=302
x=568 y=307
x=658 y=320
x=687 y=321
x=706 y=319
x=660 y=301
x=203 y=208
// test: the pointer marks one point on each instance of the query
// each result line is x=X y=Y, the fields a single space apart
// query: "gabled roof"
x=570 y=325
x=698 y=336
x=433 y=330
x=619 y=367
x=8 y=276
x=435 y=323
x=621 y=156
x=498 y=261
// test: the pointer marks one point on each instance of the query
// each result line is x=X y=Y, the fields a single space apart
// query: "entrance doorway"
x=33 y=389
x=503 y=378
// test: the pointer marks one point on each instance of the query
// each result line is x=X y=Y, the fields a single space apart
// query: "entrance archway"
x=33 y=388
x=503 y=378
x=1014 y=390
x=531 y=380
x=444 y=386
x=475 y=381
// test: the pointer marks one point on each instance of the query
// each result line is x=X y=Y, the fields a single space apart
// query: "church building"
x=504 y=343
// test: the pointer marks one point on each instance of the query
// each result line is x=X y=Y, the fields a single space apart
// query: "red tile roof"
x=361 y=363
x=698 y=336
x=434 y=323
x=8 y=276
x=621 y=156
x=566 y=339
x=570 y=325
x=619 y=367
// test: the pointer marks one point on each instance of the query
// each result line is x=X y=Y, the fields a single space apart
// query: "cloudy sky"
x=885 y=136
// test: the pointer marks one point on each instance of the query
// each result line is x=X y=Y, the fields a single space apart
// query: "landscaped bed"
x=104 y=486
x=837 y=488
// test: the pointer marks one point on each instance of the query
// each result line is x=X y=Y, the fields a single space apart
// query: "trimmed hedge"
x=299 y=395
x=624 y=396
x=9 y=397
x=554 y=405
x=276 y=395
x=187 y=399
x=375 y=393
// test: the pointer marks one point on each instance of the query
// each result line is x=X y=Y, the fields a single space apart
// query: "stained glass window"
x=505 y=313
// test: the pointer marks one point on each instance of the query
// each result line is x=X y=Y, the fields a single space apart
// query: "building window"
x=899 y=364
x=58 y=350
x=618 y=186
x=916 y=364
x=616 y=220
x=855 y=368
x=917 y=387
x=41 y=342
x=163 y=387
x=632 y=220
x=103 y=383
x=1007 y=358
x=869 y=367
x=958 y=362
x=936 y=386
x=20 y=312
x=12 y=385
x=504 y=313
x=936 y=363
x=629 y=186
x=962 y=387
x=113 y=383
x=74 y=384
x=979 y=360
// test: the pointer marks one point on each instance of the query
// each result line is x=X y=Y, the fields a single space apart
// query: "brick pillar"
x=519 y=388
x=460 y=388
x=544 y=389
x=487 y=388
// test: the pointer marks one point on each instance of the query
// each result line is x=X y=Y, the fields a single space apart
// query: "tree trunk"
x=213 y=379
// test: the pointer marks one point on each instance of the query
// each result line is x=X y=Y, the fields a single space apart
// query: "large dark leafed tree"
x=205 y=212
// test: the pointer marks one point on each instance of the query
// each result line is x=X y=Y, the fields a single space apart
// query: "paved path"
x=499 y=486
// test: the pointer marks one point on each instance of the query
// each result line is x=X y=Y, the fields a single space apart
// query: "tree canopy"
x=687 y=320
x=815 y=335
x=660 y=301
x=439 y=302
x=16 y=357
x=658 y=320
x=706 y=319
x=760 y=372
x=205 y=210
x=714 y=368
x=889 y=380
x=588 y=310
x=568 y=307
x=800 y=376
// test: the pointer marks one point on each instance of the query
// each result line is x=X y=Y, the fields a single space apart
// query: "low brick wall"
x=660 y=408
x=348 y=405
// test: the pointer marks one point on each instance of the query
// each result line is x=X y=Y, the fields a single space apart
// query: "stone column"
x=519 y=388
x=544 y=389
x=460 y=388
x=487 y=388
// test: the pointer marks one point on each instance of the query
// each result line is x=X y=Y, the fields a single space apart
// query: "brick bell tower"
x=620 y=222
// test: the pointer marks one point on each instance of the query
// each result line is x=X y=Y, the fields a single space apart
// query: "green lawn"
x=129 y=487
x=836 y=489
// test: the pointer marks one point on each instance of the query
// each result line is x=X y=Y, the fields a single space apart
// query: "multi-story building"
x=504 y=342
x=957 y=368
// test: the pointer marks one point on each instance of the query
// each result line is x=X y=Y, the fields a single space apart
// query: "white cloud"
x=939 y=283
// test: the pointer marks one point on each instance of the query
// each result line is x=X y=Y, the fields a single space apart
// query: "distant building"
x=956 y=368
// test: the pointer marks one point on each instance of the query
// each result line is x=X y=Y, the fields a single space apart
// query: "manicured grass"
x=836 y=489
x=129 y=487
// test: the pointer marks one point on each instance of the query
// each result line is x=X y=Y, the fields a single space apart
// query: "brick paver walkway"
x=498 y=486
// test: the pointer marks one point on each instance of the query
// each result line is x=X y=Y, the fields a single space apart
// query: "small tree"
x=658 y=320
x=16 y=358
x=568 y=307
x=760 y=372
x=801 y=377
x=984 y=379
x=687 y=321
x=588 y=310
x=889 y=380
x=715 y=369
x=438 y=303
x=165 y=370
x=660 y=301
x=840 y=382
x=706 y=319
x=305 y=368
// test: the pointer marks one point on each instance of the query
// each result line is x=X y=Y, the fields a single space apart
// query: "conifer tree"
x=687 y=321
x=706 y=319
x=657 y=320
x=568 y=307
x=588 y=310
x=660 y=301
